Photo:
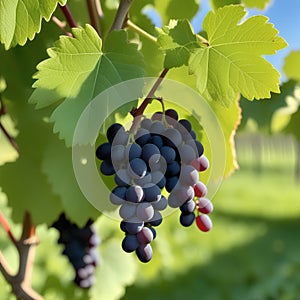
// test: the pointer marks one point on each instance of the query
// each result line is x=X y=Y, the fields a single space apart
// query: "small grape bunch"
x=80 y=246
x=155 y=166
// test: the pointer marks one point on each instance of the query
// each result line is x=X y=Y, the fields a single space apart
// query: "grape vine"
x=155 y=164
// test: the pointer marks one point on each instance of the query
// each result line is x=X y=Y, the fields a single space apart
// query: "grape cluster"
x=80 y=246
x=161 y=157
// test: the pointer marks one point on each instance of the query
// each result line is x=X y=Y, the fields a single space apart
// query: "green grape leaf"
x=233 y=62
x=21 y=19
x=82 y=71
x=64 y=183
x=229 y=119
x=260 y=4
x=178 y=41
x=292 y=65
x=70 y=63
x=174 y=9
x=262 y=112
x=215 y=4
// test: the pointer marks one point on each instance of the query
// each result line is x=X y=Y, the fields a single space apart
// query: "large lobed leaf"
x=78 y=70
x=230 y=61
x=21 y=19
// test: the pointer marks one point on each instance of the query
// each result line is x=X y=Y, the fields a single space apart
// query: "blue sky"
x=284 y=14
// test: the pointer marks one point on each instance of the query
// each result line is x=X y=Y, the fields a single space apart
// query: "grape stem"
x=21 y=281
x=94 y=17
x=61 y=25
x=69 y=17
x=141 y=31
x=121 y=15
x=137 y=112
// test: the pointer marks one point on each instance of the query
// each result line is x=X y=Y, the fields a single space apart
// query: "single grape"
x=127 y=210
x=153 y=231
x=200 y=189
x=150 y=151
x=171 y=116
x=157 y=128
x=187 y=153
x=130 y=243
x=188 y=207
x=205 y=206
x=152 y=192
x=112 y=131
x=107 y=168
x=157 y=116
x=144 y=252
x=187 y=219
x=137 y=168
x=201 y=163
x=157 y=141
x=183 y=126
x=134 y=194
x=133 y=151
x=168 y=153
x=134 y=225
x=173 y=200
x=142 y=136
x=204 y=223
x=145 y=211
x=184 y=193
x=103 y=151
x=145 y=236
x=146 y=123
x=118 y=195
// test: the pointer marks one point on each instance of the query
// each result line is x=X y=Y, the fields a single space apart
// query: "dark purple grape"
x=168 y=153
x=145 y=236
x=172 y=116
x=134 y=194
x=173 y=169
x=188 y=207
x=187 y=219
x=144 y=252
x=133 y=151
x=118 y=195
x=157 y=141
x=113 y=130
x=137 y=168
x=152 y=192
x=142 y=136
x=130 y=243
x=107 y=168
x=103 y=152
x=134 y=225
x=149 y=151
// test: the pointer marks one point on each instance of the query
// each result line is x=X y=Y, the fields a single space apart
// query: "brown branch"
x=21 y=282
x=94 y=18
x=6 y=227
x=137 y=113
x=121 y=15
x=69 y=17
x=61 y=25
